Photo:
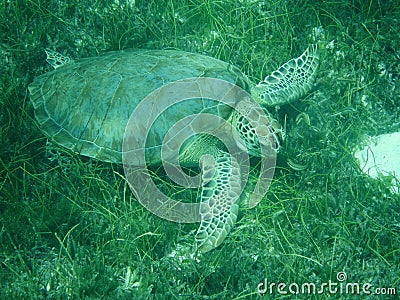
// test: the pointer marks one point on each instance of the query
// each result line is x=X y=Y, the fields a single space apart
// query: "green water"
x=70 y=227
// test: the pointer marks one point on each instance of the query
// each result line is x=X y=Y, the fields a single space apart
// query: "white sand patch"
x=380 y=158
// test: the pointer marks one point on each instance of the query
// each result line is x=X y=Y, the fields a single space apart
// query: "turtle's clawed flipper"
x=291 y=81
x=221 y=182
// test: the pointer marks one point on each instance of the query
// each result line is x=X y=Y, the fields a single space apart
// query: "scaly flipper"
x=56 y=59
x=291 y=81
x=224 y=180
x=220 y=192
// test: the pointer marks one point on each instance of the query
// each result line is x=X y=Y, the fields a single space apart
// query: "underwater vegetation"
x=70 y=226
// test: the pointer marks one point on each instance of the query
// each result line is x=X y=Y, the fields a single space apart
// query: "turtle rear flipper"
x=56 y=59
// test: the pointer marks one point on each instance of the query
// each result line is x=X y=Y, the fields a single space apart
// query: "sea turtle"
x=85 y=106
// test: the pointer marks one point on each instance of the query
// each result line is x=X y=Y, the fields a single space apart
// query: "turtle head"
x=256 y=128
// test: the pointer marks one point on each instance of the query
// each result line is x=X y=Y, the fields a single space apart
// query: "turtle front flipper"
x=219 y=208
x=291 y=81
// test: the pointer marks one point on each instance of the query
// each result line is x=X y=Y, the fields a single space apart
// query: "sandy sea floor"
x=70 y=226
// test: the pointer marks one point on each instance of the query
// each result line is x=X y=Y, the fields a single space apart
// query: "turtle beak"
x=279 y=132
